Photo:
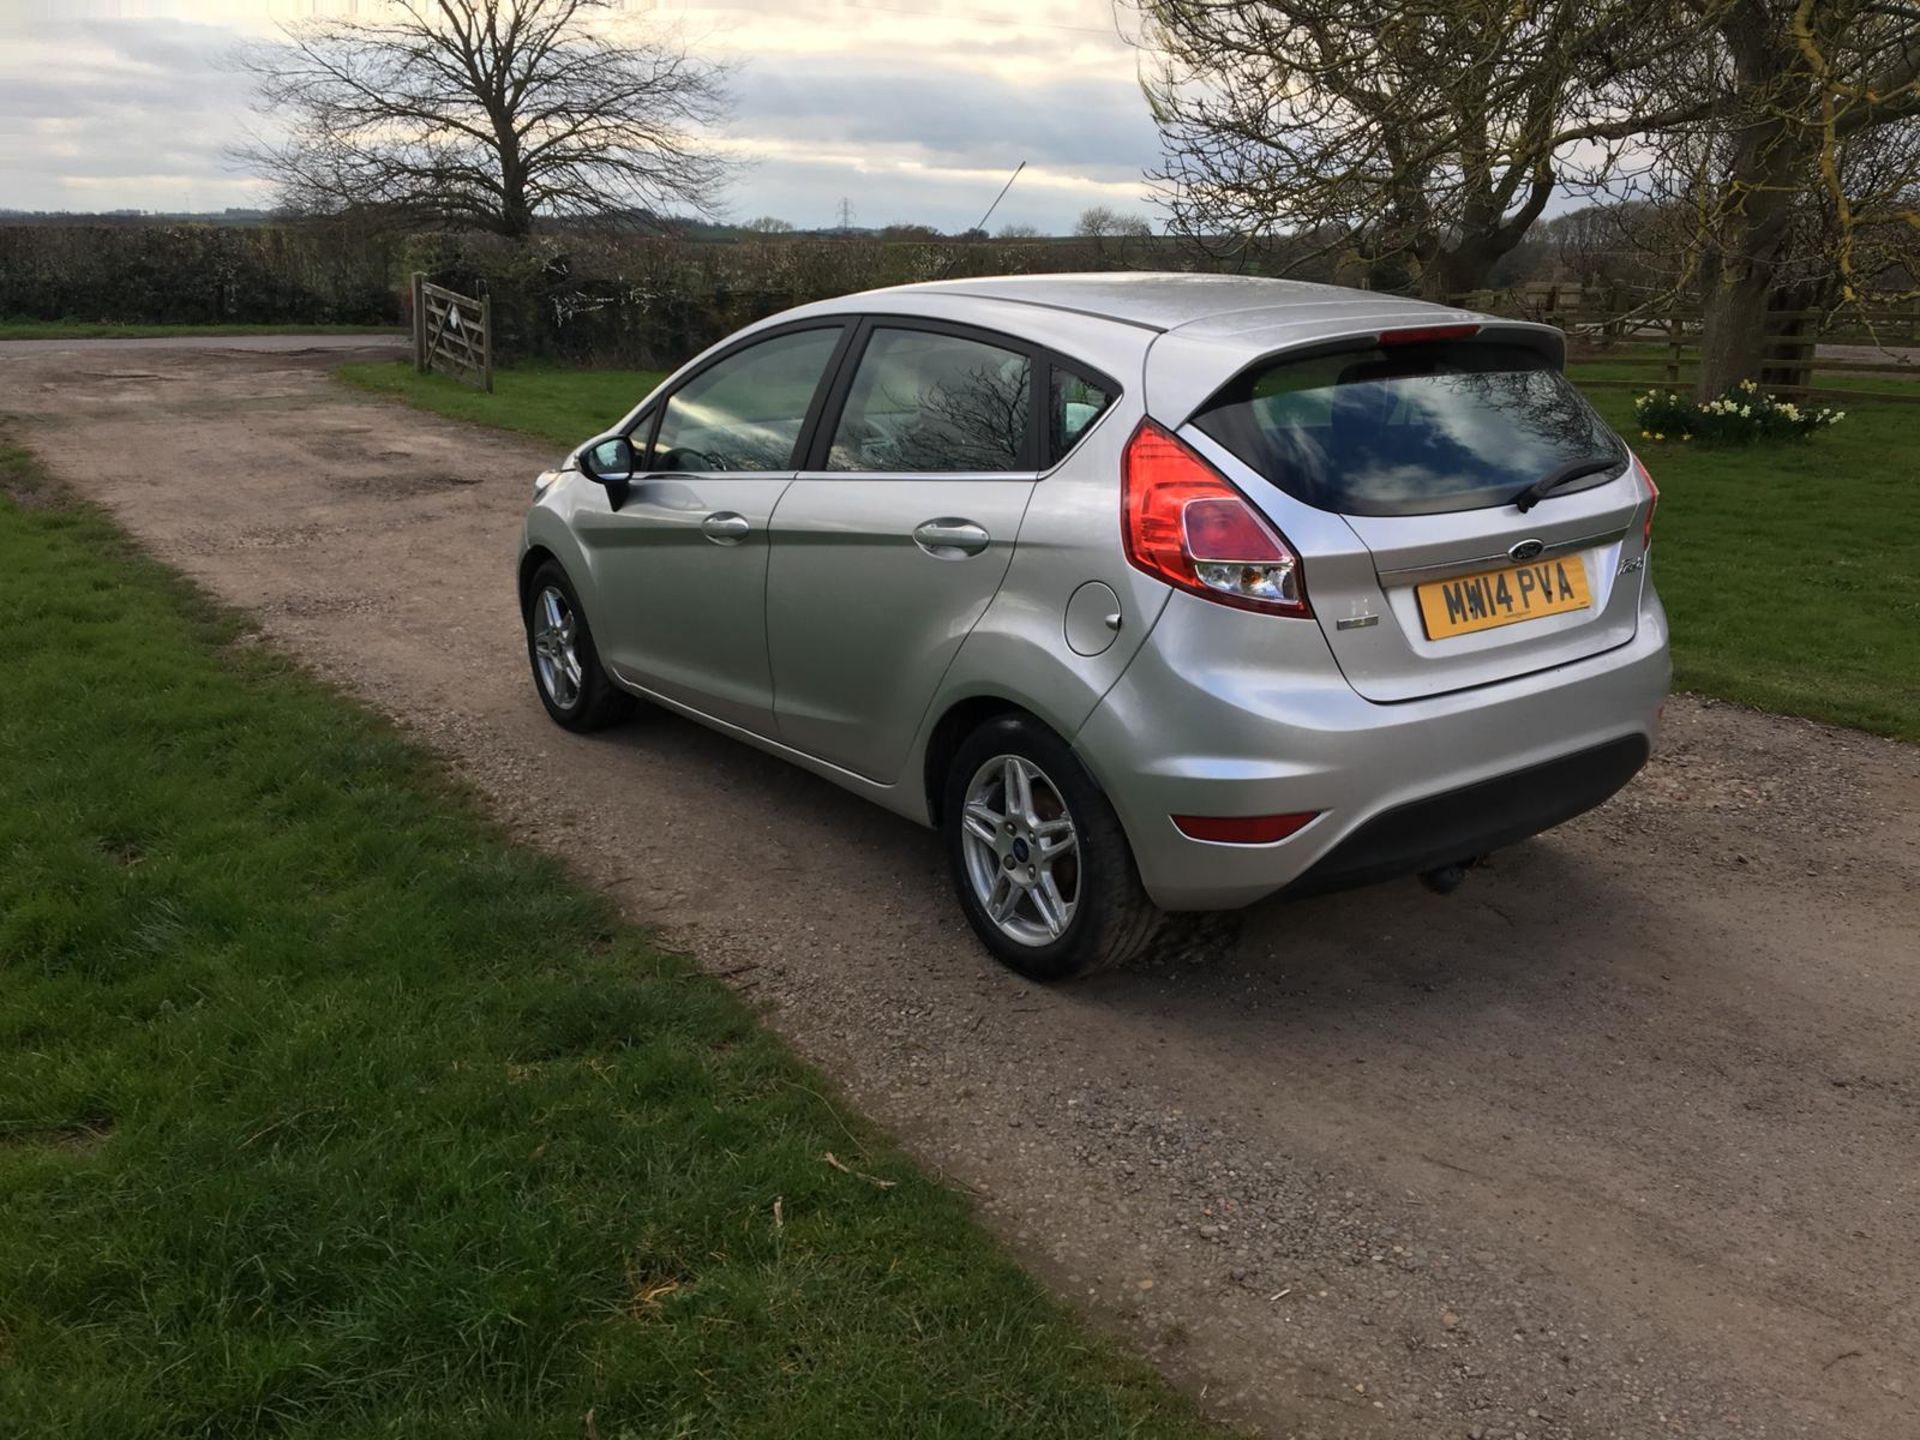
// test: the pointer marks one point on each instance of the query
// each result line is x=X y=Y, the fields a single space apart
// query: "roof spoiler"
x=1186 y=367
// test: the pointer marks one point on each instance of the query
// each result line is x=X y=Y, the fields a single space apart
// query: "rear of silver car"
x=1408 y=670
x=1174 y=590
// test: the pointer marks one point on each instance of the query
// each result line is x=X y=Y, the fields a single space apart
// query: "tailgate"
x=1395 y=464
x=1485 y=619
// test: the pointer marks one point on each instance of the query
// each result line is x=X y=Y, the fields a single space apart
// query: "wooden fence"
x=452 y=333
x=1663 y=343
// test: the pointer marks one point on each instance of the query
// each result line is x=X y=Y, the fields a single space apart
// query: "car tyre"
x=1015 y=794
x=567 y=674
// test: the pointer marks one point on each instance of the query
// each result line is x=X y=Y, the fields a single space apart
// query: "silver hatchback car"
x=1154 y=592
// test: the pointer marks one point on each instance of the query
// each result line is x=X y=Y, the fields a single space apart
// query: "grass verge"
x=1792 y=573
x=563 y=407
x=327 y=1110
x=103 y=330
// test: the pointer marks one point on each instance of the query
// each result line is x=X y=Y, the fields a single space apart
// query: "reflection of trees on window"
x=1540 y=405
x=1423 y=430
x=933 y=411
x=1396 y=440
x=975 y=421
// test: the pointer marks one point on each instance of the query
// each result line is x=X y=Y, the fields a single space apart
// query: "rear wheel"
x=566 y=666
x=1042 y=867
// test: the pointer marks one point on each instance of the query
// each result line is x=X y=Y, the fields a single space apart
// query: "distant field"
x=102 y=330
x=1792 y=574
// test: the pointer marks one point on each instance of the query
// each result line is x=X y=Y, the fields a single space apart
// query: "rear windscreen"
x=1410 y=429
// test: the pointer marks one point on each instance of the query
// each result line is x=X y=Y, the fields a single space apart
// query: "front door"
x=681 y=566
x=887 y=554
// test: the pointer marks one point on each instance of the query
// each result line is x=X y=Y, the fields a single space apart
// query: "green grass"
x=1792 y=572
x=325 y=1110
x=1647 y=377
x=102 y=330
x=560 y=406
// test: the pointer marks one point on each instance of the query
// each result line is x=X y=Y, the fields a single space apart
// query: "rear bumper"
x=1468 y=822
x=1228 y=713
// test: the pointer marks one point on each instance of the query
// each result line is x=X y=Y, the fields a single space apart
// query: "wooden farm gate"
x=452 y=333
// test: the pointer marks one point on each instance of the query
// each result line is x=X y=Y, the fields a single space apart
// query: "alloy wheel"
x=555 y=650
x=1022 y=851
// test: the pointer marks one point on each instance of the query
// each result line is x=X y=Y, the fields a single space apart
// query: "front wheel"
x=566 y=665
x=1042 y=867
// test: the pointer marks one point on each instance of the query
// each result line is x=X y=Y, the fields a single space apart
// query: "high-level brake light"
x=1423 y=334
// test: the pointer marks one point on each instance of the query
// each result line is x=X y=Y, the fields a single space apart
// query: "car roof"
x=1201 y=329
x=1190 y=332
x=1176 y=300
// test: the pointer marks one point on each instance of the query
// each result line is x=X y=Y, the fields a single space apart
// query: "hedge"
x=186 y=274
x=584 y=297
x=646 y=302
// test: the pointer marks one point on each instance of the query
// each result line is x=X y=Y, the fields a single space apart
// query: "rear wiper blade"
x=1547 y=484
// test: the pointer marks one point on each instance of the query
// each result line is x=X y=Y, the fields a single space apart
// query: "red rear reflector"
x=1242 y=829
x=1186 y=525
x=1417 y=334
x=1653 y=504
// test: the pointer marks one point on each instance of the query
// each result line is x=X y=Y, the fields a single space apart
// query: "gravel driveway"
x=1620 y=1140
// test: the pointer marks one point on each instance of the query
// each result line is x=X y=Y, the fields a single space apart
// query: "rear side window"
x=924 y=402
x=1410 y=429
x=1076 y=402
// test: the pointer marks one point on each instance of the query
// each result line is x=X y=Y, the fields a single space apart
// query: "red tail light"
x=1653 y=503
x=1187 y=526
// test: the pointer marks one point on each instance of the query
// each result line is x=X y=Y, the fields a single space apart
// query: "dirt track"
x=1621 y=1140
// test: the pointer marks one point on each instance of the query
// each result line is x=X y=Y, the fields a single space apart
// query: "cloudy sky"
x=911 y=110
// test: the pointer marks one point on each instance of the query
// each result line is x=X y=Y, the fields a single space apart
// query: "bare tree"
x=1625 y=244
x=1583 y=242
x=1423 y=137
x=1801 y=184
x=1097 y=222
x=768 y=225
x=484 y=113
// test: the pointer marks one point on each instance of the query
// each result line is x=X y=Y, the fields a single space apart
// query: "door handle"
x=723 y=527
x=949 y=538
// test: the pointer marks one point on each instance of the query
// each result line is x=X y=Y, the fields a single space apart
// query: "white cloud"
x=917 y=110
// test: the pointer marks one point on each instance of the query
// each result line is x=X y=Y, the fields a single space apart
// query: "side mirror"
x=611 y=462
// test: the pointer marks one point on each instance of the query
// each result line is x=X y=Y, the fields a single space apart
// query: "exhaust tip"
x=1445 y=879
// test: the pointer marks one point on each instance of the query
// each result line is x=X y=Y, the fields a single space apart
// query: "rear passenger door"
x=889 y=545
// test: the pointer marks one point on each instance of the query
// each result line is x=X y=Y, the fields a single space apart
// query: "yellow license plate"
x=1506 y=596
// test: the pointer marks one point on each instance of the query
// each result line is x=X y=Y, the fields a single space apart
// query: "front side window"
x=745 y=412
x=923 y=402
x=1410 y=429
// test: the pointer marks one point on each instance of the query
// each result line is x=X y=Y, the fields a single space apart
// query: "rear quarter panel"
x=1071 y=538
